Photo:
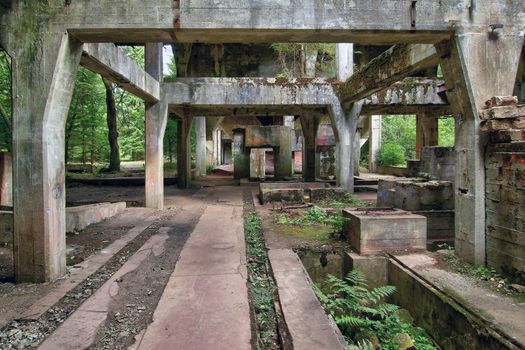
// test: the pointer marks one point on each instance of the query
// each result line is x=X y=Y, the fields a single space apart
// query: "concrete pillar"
x=241 y=155
x=357 y=151
x=184 y=152
x=344 y=60
x=283 y=154
x=374 y=142
x=200 y=156
x=479 y=66
x=426 y=132
x=44 y=73
x=6 y=180
x=310 y=125
x=347 y=125
x=258 y=163
x=156 y=120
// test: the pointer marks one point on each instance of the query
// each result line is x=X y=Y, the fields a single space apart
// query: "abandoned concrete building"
x=281 y=226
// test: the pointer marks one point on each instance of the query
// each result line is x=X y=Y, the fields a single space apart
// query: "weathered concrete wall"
x=437 y=161
x=453 y=326
x=505 y=207
x=413 y=194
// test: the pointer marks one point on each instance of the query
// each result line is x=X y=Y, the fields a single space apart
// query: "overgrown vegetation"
x=488 y=274
x=398 y=138
x=305 y=60
x=314 y=216
x=261 y=287
x=365 y=319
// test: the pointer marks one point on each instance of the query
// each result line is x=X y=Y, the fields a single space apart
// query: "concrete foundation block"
x=375 y=231
x=374 y=267
x=288 y=192
x=78 y=218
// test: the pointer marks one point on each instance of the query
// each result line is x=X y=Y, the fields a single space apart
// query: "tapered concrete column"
x=257 y=163
x=156 y=120
x=184 y=152
x=44 y=73
x=479 y=66
x=345 y=132
x=6 y=179
x=347 y=125
x=310 y=125
x=241 y=155
x=283 y=154
x=374 y=142
x=200 y=156
x=426 y=132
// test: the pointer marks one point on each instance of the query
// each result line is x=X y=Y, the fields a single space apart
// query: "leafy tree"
x=391 y=154
x=446 y=132
x=400 y=130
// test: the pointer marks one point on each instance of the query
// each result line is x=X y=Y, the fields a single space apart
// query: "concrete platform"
x=309 y=326
x=458 y=311
x=205 y=303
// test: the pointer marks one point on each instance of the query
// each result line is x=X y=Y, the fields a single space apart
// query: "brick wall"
x=505 y=195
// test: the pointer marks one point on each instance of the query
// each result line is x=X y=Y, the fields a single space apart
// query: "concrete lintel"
x=410 y=95
x=391 y=66
x=112 y=63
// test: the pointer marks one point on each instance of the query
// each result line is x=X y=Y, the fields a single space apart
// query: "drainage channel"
x=269 y=329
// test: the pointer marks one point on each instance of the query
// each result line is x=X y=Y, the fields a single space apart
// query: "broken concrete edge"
x=295 y=264
x=77 y=218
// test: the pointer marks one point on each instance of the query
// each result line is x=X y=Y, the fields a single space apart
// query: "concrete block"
x=78 y=218
x=374 y=267
x=374 y=231
x=288 y=192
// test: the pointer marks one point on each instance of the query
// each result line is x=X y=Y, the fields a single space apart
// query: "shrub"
x=391 y=154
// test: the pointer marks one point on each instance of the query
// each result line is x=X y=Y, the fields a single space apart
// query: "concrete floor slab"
x=205 y=303
x=200 y=313
x=309 y=326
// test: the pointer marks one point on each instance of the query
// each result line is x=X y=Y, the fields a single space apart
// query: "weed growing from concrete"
x=261 y=287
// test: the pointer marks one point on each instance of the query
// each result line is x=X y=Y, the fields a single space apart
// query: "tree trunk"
x=114 y=155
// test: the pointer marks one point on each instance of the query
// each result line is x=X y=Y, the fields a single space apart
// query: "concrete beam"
x=409 y=96
x=393 y=65
x=113 y=64
x=263 y=21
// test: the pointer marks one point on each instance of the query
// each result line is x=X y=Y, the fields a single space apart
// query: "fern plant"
x=359 y=311
x=355 y=308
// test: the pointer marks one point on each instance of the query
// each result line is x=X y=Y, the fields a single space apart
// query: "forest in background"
x=98 y=107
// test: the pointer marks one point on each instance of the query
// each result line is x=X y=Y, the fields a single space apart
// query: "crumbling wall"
x=505 y=188
x=437 y=161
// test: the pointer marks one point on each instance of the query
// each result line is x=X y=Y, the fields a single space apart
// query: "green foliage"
x=400 y=130
x=292 y=55
x=446 y=127
x=261 y=287
x=391 y=154
x=5 y=102
x=362 y=313
x=314 y=216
